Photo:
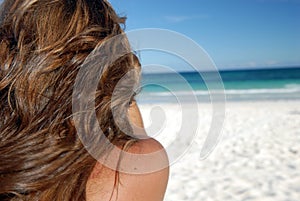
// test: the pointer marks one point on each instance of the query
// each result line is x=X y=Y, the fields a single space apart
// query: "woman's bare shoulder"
x=145 y=176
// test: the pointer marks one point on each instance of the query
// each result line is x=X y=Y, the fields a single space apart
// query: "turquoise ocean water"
x=239 y=85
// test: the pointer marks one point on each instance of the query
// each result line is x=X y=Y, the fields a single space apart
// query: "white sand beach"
x=257 y=158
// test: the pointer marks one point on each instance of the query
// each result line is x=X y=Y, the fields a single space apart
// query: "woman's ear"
x=136 y=119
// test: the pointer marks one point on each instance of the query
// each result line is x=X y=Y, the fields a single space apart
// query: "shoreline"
x=257 y=157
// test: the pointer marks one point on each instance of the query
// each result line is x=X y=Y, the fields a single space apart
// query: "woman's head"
x=43 y=45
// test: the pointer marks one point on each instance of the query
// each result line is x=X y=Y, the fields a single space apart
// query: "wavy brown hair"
x=43 y=44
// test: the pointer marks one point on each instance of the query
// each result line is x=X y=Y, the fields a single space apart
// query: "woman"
x=43 y=45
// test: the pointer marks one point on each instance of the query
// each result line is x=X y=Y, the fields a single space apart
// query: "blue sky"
x=235 y=33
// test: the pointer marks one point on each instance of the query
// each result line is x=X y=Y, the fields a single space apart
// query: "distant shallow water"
x=241 y=85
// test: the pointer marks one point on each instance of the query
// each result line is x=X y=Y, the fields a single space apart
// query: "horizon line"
x=229 y=69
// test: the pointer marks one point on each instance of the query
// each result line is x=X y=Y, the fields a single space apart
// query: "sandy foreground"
x=257 y=157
